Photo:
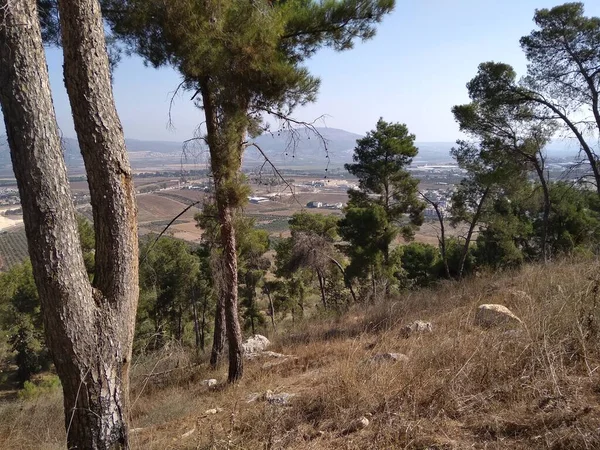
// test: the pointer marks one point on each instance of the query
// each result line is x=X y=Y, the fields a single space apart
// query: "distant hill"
x=303 y=149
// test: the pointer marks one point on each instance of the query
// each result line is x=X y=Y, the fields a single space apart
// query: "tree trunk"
x=233 y=329
x=195 y=317
x=465 y=252
x=347 y=280
x=203 y=326
x=546 y=215
x=271 y=309
x=322 y=289
x=225 y=135
x=219 y=332
x=89 y=329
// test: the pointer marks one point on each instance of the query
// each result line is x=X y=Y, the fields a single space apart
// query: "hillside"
x=458 y=387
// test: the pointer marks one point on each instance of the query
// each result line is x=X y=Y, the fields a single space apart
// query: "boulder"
x=209 y=383
x=255 y=344
x=389 y=357
x=417 y=327
x=492 y=315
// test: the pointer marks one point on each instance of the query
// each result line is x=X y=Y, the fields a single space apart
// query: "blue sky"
x=413 y=71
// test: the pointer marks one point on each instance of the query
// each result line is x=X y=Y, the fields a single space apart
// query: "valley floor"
x=459 y=387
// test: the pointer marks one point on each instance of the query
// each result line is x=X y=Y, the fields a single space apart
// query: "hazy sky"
x=413 y=71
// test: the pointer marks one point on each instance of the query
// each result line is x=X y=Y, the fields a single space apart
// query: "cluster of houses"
x=442 y=198
x=338 y=205
x=9 y=196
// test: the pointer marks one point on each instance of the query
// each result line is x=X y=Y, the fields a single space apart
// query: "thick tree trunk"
x=89 y=329
x=233 y=329
x=102 y=144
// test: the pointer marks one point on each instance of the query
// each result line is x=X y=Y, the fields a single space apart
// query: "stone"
x=282 y=398
x=213 y=411
x=391 y=357
x=270 y=397
x=492 y=315
x=255 y=344
x=417 y=327
x=209 y=383
x=358 y=424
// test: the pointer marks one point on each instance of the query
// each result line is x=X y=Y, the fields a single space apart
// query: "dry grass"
x=462 y=387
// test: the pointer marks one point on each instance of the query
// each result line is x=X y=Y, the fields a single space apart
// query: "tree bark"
x=89 y=329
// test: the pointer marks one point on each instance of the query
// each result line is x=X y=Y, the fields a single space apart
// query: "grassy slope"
x=463 y=387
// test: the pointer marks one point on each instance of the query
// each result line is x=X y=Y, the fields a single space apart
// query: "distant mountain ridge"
x=301 y=148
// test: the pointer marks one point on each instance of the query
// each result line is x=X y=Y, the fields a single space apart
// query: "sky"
x=413 y=71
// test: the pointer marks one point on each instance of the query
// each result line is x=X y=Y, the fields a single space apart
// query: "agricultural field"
x=13 y=248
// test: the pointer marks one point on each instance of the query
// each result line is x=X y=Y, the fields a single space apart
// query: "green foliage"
x=46 y=385
x=420 y=263
x=21 y=317
x=564 y=54
x=386 y=205
x=167 y=276
x=380 y=161
x=88 y=243
x=319 y=224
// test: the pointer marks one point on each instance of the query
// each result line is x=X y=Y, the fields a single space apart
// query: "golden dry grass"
x=462 y=387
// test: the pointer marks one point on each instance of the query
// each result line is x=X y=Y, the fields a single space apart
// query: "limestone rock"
x=417 y=327
x=255 y=344
x=209 y=383
x=282 y=398
x=492 y=315
x=358 y=424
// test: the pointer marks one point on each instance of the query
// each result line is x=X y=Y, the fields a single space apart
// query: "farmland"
x=13 y=247
x=165 y=201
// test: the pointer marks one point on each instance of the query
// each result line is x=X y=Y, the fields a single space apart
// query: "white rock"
x=255 y=344
x=265 y=354
x=209 y=383
x=417 y=327
x=210 y=412
x=282 y=398
x=357 y=425
x=491 y=315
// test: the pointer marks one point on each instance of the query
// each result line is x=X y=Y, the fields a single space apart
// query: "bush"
x=32 y=390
